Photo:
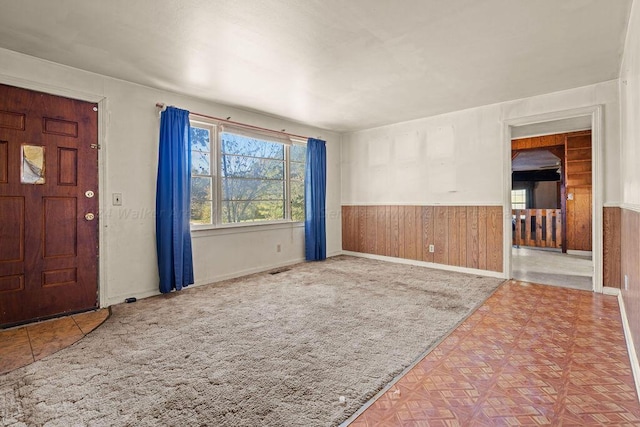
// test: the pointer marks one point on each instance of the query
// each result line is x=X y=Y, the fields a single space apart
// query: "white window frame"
x=215 y=131
x=213 y=170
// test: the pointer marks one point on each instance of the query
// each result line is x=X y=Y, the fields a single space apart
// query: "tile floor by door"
x=23 y=345
x=530 y=355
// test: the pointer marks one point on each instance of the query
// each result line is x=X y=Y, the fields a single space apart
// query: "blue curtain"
x=173 y=201
x=315 y=190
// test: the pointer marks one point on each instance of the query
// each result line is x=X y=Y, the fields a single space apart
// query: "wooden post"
x=549 y=227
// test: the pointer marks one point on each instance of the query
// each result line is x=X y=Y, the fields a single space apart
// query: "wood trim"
x=631 y=346
x=544 y=220
x=463 y=236
x=527 y=228
x=549 y=228
x=595 y=112
x=575 y=151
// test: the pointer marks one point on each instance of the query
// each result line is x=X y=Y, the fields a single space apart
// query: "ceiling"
x=535 y=160
x=336 y=64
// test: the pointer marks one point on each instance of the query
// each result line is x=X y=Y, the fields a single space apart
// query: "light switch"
x=570 y=196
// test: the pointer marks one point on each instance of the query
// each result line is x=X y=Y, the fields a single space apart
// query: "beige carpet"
x=264 y=350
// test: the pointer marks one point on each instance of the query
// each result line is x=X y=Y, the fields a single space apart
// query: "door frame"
x=101 y=100
x=597 y=178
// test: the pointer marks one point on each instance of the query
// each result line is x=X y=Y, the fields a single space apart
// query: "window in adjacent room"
x=518 y=199
x=245 y=177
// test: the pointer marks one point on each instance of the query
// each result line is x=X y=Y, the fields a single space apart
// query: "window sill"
x=216 y=230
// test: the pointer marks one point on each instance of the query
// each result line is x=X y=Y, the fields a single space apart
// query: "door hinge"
x=94 y=146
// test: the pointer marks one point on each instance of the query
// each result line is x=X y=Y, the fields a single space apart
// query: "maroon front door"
x=48 y=205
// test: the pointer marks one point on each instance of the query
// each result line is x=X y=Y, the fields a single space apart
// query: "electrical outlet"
x=278 y=248
x=116 y=199
x=432 y=248
x=626 y=282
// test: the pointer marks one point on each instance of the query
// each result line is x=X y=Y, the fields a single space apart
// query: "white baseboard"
x=630 y=206
x=247 y=272
x=581 y=253
x=608 y=290
x=117 y=299
x=487 y=273
x=633 y=356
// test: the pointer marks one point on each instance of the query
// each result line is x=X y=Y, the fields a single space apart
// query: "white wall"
x=128 y=162
x=458 y=158
x=630 y=101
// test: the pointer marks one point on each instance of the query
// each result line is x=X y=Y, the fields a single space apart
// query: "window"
x=518 y=199
x=244 y=177
x=297 y=158
x=201 y=175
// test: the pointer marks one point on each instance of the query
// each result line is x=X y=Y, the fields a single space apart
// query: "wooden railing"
x=537 y=227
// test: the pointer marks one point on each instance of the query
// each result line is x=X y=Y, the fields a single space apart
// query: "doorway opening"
x=552 y=203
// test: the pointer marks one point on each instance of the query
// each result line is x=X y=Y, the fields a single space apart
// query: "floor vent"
x=282 y=270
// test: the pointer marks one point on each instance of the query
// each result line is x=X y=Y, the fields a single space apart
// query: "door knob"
x=89 y=216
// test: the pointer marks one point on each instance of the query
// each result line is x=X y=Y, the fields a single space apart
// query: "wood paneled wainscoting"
x=630 y=266
x=611 y=246
x=463 y=236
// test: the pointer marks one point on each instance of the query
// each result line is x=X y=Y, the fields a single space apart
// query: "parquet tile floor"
x=531 y=355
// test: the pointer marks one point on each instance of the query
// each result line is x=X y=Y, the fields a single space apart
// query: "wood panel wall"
x=538 y=142
x=464 y=236
x=630 y=266
x=578 y=183
x=611 y=262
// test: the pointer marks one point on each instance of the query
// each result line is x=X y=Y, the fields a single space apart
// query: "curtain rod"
x=282 y=132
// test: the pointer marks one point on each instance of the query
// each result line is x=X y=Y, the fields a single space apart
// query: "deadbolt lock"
x=89 y=216
x=89 y=194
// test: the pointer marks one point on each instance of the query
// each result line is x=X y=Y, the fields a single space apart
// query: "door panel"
x=12 y=230
x=579 y=219
x=60 y=233
x=578 y=183
x=4 y=162
x=48 y=250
